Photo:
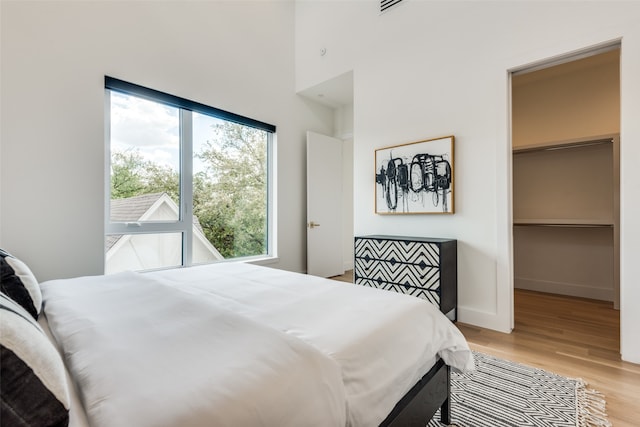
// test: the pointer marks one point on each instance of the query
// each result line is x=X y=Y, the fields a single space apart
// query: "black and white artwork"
x=415 y=178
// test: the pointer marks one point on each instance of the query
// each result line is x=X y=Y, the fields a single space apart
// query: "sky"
x=154 y=129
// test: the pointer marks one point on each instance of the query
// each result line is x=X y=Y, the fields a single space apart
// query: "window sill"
x=262 y=260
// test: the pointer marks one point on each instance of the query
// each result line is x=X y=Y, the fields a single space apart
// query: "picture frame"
x=415 y=178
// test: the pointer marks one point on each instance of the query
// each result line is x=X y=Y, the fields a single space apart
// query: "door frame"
x=534 y=66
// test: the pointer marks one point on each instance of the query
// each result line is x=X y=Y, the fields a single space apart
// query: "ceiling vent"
x=388 y=4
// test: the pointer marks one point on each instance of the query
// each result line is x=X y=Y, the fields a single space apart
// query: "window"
x=186 y=183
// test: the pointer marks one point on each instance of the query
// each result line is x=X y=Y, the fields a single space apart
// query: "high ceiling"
x=333 y=93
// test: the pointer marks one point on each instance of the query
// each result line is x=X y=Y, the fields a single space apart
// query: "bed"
x=234 y=344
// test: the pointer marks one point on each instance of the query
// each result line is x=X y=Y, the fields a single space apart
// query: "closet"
x=566 y=178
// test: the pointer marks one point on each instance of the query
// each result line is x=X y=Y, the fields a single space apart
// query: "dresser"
x=420 y=266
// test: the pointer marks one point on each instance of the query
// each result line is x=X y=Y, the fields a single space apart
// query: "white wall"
x=238 y=56
x=343 y=129
x=433 y=68
x=573 y=100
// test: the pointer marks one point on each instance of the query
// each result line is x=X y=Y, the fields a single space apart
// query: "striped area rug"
x=502 y=393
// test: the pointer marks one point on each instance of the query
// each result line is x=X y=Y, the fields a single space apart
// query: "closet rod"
x=561 y=225
x=563 y=146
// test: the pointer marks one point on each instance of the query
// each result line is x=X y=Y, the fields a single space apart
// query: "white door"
x=324 y=205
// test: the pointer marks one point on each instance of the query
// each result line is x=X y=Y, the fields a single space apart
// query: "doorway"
x=565 y=171
x=337 y=95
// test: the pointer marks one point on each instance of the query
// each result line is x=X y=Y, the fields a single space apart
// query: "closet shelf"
x=564 y=222
x=560 y=145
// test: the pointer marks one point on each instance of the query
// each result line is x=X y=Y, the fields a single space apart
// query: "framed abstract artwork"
x=415 y=178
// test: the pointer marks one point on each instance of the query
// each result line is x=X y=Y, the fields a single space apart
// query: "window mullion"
x=107 y=162
x=134 y=227
x=186 y=184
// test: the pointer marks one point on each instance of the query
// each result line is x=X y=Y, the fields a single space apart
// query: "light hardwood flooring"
x=573 y=337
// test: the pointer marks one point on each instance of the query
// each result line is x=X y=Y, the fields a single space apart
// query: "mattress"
x=378 y=343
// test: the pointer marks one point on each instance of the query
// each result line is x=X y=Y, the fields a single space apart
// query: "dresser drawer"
x=400 y=251
x=421 y=267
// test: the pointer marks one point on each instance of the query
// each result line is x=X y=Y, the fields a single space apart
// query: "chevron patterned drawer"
x=421 y=267
x=399 y=251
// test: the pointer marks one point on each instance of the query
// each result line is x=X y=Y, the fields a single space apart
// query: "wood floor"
x=574 y=337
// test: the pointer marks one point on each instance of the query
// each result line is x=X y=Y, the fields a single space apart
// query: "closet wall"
x=566 y=178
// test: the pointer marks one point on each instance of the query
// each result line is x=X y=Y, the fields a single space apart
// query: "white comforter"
x=234 y=344
x=146 y=354
x=383 y=341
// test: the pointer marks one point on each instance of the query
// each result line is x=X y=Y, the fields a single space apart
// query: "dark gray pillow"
x=18 y=283
x=34 y=385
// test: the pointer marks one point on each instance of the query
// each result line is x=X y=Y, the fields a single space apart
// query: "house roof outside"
x=129 y=209
x=138 y=208
x=132 y=208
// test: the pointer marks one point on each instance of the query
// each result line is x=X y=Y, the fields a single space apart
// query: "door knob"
x=313 y=224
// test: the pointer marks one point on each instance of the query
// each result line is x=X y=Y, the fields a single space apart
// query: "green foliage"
x=229 y=196
x=131 y=175
x=232 y=191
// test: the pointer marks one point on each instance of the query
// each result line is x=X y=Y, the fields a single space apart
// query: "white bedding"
x=145 y=354
x=377 y=343
x=383 y=341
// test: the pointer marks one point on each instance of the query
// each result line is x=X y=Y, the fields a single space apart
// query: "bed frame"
x=420 y=404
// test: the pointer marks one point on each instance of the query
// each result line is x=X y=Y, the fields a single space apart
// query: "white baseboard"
x=570 y=289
